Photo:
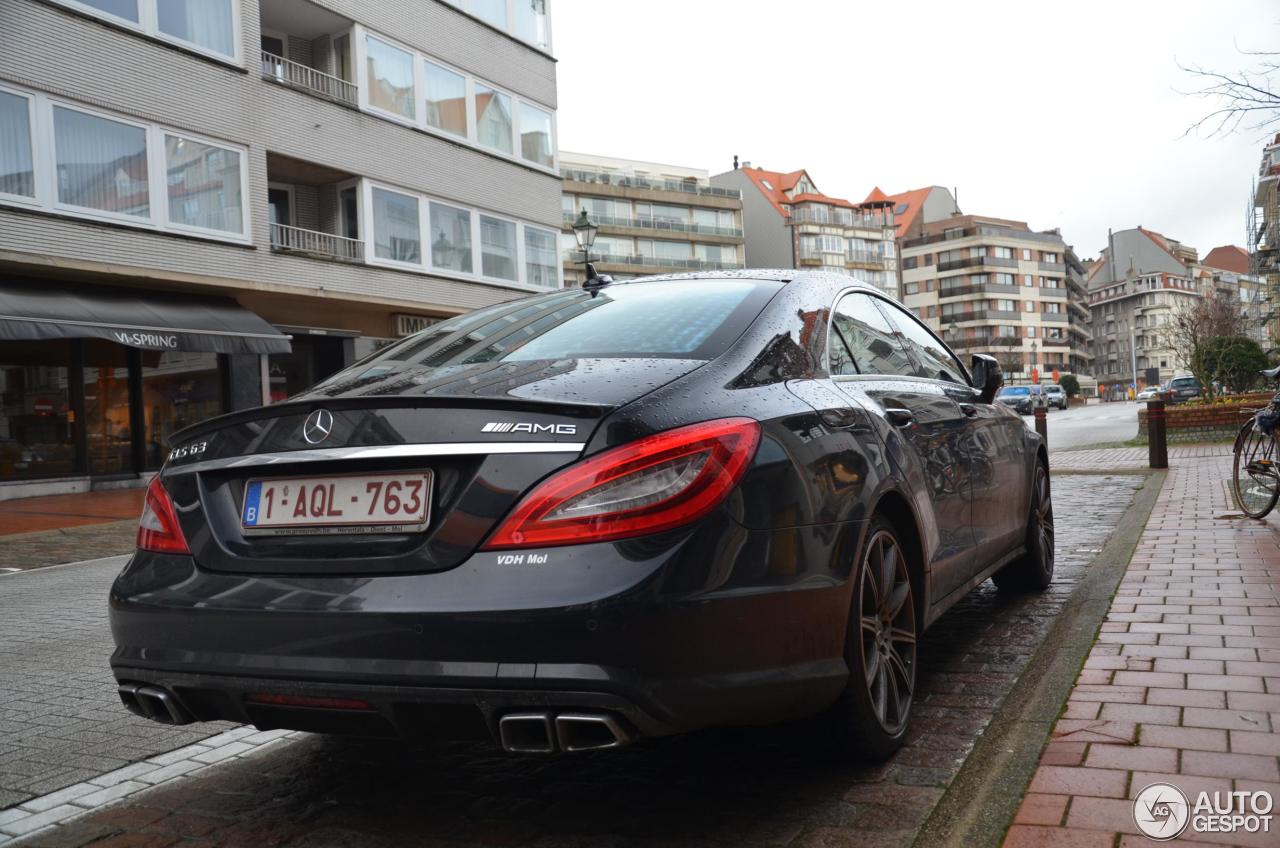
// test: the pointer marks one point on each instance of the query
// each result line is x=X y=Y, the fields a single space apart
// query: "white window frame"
x=370 y=237
x=37 y=153
x=425 y=266
x=510 y=29
x=148 y=24
x=362 y=78
x=360 y=34
x=44 y=161
x=244 y=234
x=153 y=218
x=523 y=228
x=477 y=243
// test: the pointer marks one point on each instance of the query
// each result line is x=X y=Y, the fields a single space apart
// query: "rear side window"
x=682 y=319
x=863 y=342
x=933 y=360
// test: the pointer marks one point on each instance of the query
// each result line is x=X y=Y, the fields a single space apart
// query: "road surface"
x=1099 y=423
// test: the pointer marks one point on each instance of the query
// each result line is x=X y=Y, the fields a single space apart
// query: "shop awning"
x=39 y=309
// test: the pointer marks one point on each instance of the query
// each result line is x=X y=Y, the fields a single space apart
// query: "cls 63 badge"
x=193 y=449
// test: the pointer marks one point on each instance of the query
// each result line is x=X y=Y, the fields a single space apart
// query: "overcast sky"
x=1065 y=115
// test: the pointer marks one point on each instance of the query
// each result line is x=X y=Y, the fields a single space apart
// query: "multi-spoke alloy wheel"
x=888 y=632
x=1256 y=476
x=1033 y=571
x=1043 y=506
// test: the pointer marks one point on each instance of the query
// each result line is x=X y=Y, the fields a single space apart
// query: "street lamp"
x=585 y=233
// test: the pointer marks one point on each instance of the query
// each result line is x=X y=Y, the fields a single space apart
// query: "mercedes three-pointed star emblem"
x=318 y=426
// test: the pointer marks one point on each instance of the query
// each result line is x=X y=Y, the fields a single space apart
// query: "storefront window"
x=178 y=389
x=36 y=426
x=109 y=440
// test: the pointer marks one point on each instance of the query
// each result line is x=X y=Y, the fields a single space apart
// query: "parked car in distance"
x=1182 y=389
x=590 y=516
x=1055 y=395
x=1151 y=393
x=1019 y=398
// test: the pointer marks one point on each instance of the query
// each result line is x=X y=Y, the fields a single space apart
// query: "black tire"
x=870 y=719
x=1033 y=571
x=1255 y=476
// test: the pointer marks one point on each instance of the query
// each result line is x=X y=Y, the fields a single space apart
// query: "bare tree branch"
x=1246 y=98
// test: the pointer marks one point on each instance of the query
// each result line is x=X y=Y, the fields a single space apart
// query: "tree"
x=1247 y=97
x=1232 y=360
x=1194 y=322
x=1070 y=385
x=1010 y=359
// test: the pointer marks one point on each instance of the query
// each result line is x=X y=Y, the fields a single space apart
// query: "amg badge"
x=526 y=427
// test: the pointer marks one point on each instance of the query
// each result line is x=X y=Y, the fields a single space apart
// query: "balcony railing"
x=324 y=245
x=1056 y=317
x=653 y=261
x=1059 y=267
x=297 y=75
x=624 y=181
x=802 y=215
x=864 y=257
x=975 y=261
x=658 y=224
x=987 y=288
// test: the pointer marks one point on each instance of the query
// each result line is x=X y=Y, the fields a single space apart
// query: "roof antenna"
x=735 y=161
x=595 y=281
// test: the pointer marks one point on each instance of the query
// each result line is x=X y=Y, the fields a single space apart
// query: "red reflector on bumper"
x=308 y=701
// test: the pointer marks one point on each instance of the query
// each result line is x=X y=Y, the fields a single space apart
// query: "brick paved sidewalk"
x=1183 y=684
x=1129 y=459
x=56 y=512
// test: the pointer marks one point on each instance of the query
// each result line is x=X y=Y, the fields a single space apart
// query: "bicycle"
x=1256 y=466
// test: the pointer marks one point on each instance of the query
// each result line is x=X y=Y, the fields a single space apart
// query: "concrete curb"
x=37 y=815
x=982 y=800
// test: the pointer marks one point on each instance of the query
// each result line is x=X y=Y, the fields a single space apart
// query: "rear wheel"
x=1255 y=477
x=1033 y=571
x=870 y=719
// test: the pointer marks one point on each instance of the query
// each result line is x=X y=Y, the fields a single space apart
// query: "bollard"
x=1042 y=425
x=1157 y=443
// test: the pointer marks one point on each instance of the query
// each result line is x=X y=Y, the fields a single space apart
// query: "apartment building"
x=789 y=223
x=653 y=218
x=210 y=204
x=995 y=286
x=1137 y=283
x=1264 y=233
x=1227 y=271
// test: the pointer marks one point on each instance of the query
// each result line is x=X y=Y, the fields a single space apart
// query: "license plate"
x=352 y=503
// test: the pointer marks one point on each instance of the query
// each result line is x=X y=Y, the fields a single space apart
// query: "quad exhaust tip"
x=153 y=703
x=545 y=733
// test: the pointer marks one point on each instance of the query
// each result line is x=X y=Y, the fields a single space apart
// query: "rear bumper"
x=628 y=637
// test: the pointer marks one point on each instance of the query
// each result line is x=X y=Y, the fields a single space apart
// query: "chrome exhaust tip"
x=153 y=703
x=584 y=732
x=526 y=733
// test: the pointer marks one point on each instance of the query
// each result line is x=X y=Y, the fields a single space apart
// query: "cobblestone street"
x=747 y=787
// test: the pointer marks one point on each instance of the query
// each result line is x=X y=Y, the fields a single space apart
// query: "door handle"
x=899 y=417
x=969 y=409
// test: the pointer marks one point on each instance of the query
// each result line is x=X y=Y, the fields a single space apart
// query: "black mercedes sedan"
x=587 y=517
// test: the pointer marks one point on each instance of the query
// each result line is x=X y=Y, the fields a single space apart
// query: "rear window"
x=680 y=319
x=1183 y=382
x=1015 y=392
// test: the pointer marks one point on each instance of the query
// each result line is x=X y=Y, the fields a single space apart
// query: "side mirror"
x=987 y=376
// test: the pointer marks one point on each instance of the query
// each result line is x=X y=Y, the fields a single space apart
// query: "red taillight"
x=652 y=484
x=158 y=529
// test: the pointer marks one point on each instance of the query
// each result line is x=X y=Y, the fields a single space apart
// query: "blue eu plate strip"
x=251 y=496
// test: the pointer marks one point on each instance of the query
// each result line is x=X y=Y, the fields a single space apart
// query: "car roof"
x=780 y=275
